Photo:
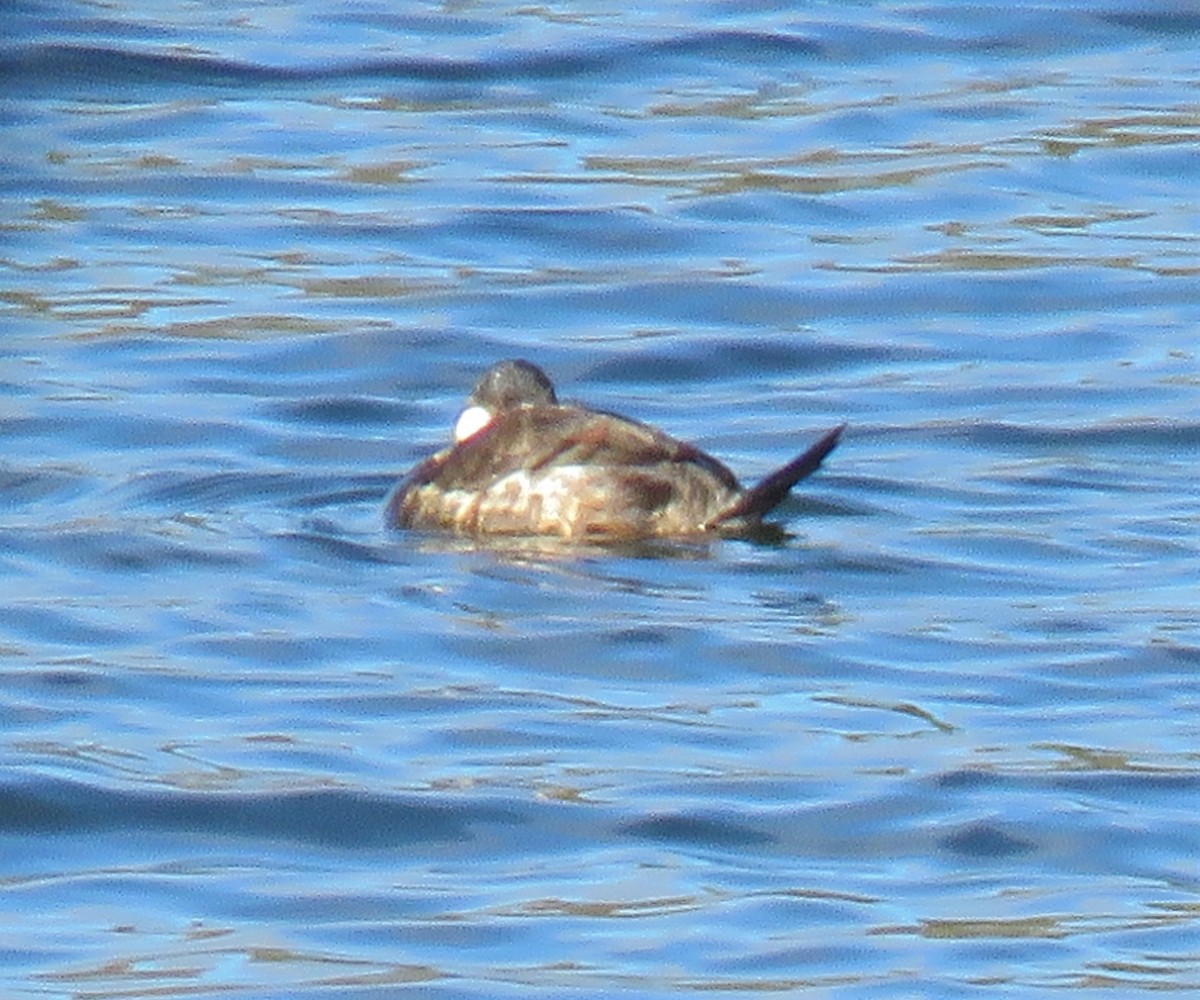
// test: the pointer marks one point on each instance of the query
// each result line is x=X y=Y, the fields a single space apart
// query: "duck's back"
x=568 y=471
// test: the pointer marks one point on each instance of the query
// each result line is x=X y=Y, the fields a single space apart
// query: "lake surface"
x=940 y=740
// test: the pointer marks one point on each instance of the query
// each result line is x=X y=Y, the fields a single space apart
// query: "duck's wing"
x=540 y=438
x=768 y=494
x=599 y=438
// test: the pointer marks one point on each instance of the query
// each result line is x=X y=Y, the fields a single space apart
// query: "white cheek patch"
x=470 y=422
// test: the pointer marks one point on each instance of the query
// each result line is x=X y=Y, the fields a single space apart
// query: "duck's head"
x=505 y=386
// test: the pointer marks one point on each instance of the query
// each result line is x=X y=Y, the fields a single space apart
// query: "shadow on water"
x=565 y=550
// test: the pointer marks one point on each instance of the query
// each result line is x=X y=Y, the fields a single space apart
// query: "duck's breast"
x=572 y=501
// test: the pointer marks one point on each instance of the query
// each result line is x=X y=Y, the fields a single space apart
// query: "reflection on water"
x=935 y=733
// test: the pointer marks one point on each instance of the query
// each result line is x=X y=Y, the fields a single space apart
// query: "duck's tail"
x=769 y=493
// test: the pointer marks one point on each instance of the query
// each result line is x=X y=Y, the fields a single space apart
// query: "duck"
x=522 y=463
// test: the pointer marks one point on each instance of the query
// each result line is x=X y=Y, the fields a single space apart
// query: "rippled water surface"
x=941 y=740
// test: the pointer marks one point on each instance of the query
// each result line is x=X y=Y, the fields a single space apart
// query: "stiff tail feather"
x=769 y=493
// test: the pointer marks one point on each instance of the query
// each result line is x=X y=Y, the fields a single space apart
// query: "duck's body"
x=525 y=464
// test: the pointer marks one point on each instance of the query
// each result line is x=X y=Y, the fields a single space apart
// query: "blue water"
x=941 y=740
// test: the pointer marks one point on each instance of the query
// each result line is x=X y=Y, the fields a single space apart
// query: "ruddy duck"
x=523 y=463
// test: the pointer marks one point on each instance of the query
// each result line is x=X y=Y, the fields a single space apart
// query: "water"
x=940 y=741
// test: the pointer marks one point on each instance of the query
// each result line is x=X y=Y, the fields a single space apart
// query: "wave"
x=99 y=66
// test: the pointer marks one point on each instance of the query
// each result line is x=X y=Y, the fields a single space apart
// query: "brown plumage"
x=539 y=467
